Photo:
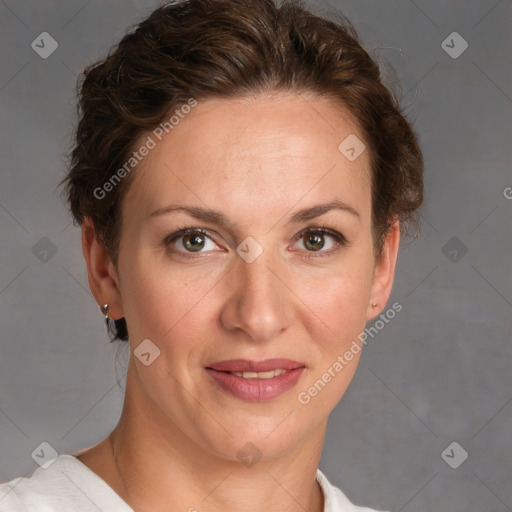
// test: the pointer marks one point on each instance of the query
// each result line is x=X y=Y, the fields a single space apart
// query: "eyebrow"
x=207 y=214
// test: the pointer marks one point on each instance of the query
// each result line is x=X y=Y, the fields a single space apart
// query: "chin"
x=265 y=440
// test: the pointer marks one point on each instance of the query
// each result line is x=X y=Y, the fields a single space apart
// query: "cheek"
x=163 y=301
x=337 y=301
x=148 y=300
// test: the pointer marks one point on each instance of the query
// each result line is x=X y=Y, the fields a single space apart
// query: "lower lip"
x=256 y=390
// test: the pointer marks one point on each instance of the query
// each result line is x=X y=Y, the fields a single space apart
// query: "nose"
x=259 y=305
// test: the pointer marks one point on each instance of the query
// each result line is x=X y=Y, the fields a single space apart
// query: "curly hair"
x=200 y=49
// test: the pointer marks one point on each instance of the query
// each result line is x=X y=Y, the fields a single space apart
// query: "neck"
x=161 y=468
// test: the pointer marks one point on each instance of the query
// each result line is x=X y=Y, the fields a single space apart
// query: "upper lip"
x=245 y=365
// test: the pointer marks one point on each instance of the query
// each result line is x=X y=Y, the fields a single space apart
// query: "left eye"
x=314 y=240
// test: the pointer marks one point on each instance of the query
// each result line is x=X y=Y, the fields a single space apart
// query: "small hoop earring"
x=104 y=310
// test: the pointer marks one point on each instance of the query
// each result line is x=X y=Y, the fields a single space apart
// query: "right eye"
x=190 y=240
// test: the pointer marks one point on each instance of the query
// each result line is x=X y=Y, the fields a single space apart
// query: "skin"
x=257 y=160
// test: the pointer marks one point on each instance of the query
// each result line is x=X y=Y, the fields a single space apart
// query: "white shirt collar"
x=68 y=484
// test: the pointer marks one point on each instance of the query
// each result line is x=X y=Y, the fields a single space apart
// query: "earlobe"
x=101 y=273
x=384 y=272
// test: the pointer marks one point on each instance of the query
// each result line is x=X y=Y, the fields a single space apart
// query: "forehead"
x=263 y=148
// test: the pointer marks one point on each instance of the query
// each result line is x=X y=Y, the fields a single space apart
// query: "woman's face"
x=260 y=284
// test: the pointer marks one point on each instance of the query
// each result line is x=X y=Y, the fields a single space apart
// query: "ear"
x=384 y=272
x=103 y=279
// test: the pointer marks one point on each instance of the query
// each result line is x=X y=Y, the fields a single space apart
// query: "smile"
x=256 y=380
x=260 y=375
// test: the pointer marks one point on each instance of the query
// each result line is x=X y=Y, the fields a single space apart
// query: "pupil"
x=194 y=242
x=314 y=242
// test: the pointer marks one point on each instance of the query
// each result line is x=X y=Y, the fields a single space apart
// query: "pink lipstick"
x=256 y=380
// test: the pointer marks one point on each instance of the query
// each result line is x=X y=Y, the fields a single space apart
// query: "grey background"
x=438 y=373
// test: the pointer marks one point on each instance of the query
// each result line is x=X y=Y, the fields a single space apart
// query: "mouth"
x=260 y=375
x=256 y=380
x=248 y=366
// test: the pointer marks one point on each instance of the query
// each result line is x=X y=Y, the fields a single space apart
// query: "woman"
x=241 y=177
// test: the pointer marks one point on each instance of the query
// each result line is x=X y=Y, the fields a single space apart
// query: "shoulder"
x=63 y=485
x=9 y=500
x=335 y=500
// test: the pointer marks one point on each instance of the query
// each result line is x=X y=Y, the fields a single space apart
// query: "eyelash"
x=311 y=230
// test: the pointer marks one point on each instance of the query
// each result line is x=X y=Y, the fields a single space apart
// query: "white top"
x=66 y=484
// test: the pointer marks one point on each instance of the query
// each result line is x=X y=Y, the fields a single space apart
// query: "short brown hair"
x=226 y=48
